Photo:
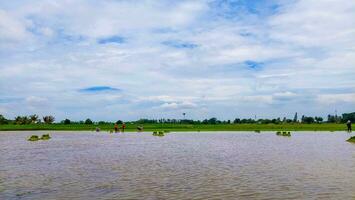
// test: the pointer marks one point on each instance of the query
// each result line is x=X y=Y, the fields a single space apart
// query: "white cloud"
x=178 y=105
x=302 y=48
x=336 y=98
x=11 y=28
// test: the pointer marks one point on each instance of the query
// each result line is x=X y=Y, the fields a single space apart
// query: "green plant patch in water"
x=36 y=138
x=257 y=131
x=352 y=139
x=33 y=138
x=45 y=137
x=283 y=133
x=158 y=133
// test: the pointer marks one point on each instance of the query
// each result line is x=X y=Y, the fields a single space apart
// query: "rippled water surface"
x=219 y=165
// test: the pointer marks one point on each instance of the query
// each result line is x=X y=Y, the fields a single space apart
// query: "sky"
x=132 y=59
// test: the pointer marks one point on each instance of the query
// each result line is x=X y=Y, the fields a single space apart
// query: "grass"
x=180 y=127
x=36 y=138
x=352 y=139
x=284 y=133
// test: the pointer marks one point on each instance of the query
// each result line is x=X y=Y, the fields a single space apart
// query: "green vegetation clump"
x=36 y=138
x=283 y=133
x=352 y=139
x=158 y=133
x=33 y=138
x=257 y=131
x=45 y=137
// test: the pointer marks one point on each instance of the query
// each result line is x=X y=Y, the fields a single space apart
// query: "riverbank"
x=180 y=127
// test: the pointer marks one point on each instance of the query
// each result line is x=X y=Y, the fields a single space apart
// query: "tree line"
x=31 y=119
x=49 y=119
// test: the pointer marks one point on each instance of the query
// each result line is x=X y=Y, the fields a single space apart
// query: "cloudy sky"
x=131 y=59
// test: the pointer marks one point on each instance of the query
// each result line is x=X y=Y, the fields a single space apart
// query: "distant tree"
x=18 y=120
x=236 y=121
x=22 y=120
x=120 y=122
x=307 y=120
x=66 y=121
x=289 y=120
x=48 y=119
x=348 y=116
x=276 y=121
x=334 y=119
x=88 y=121
x=213 y=120
x=3 y=120
x=247 y=121
x=33 y=118
x=318 y=119
x=295 y=117
x=284 y=120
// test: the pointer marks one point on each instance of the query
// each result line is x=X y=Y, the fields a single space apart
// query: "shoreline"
x=178 y=127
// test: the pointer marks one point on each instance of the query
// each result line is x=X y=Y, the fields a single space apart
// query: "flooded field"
x=219 y=165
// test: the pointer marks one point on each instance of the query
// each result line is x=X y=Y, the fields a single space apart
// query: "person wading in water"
x=348 y=124
x=116 y=128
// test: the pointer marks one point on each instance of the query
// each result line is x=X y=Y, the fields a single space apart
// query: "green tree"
x=236 y=121
x=3 y=120
x=66 y=121
x=307 y=120
x=48 y=119
x=348 y=116
x=21 y=120
x=88 y=121
x=213 y=120
x=318 y=119
x=33 y=118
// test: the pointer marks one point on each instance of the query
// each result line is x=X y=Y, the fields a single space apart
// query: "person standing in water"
x=116 y=128
x=123 y=127
x=348 y=124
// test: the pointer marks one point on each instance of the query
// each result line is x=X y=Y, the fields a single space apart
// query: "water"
x=225 y=165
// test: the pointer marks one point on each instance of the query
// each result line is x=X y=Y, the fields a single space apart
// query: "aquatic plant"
x=36 y=138
x=33 y=138
x=158 y=133
x=352 y=139
x=283 y=133
x=45 y=137
x=257 y=131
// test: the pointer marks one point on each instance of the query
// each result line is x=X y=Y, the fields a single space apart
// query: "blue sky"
x=110 y=60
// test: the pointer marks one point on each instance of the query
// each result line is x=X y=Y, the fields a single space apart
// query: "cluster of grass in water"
x=160 y=133
x=283 y=133
x=352 y=139
x=36 y=138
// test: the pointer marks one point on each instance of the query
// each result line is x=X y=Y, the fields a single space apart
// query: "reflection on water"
x=87 y=165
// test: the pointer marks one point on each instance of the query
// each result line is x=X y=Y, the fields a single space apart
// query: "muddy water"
x=219 y=165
